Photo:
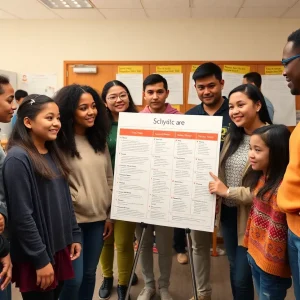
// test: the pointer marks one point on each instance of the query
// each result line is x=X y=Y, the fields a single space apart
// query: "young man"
x=155 y=92
x=7 y=107
x=255 y=79
x=157 y=104
x=289 y=191
x=209 y=85
x=19 y=96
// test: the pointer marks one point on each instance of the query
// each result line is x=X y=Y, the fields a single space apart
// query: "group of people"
x=56 y=183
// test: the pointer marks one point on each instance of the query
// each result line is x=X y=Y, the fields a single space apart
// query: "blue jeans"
x=82 y=286
x=6 y=294
x=240 y=271
x=268 y=286
x=294 y=259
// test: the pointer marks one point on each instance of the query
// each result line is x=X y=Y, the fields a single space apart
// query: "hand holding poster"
x=162 y=169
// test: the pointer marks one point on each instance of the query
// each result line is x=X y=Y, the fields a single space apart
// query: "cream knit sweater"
x=91 y=182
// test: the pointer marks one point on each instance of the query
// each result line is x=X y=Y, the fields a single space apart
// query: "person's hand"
x=217 y=186
x=45 y=276
x=108 y=230
x=2 y=223
x=75 y=251
x=6 y=273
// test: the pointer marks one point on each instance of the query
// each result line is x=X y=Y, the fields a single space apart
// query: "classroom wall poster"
x=43 y=84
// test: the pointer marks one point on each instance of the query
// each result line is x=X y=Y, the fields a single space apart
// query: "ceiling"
x=154 y=9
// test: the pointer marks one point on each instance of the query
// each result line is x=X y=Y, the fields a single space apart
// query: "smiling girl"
x=44 y=233
x=267 y=230
x=82 y=139
x=117 y=98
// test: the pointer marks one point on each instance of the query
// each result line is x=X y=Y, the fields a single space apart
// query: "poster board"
x=162 y=170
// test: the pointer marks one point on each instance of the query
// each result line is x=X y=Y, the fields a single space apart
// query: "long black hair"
x=67 y=100
x=236 y=134
x=30 y=108
x=107 y=86
x=276 y=138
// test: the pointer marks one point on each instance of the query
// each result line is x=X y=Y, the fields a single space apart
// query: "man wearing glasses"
x=289 y=192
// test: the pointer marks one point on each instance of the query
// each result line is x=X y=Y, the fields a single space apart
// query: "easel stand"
x=136 y=258
x=190 y=252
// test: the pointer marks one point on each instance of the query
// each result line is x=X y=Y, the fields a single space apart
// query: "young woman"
x=44 y=234
x=82 y=139
x=117 y=98
x=248 y=111
x=267 y=231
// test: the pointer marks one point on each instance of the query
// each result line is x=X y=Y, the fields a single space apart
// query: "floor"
x=181 y=285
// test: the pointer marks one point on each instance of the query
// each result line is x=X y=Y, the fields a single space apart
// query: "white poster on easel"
x=162 y=170
x=43 y=84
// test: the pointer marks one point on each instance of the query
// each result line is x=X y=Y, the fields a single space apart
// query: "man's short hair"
x=206 y=70
x=20 y=94
x=153 y=79
x=295 y=38
x=253 y=77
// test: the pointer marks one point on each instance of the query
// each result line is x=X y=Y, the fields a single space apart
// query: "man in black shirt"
x=209 y=85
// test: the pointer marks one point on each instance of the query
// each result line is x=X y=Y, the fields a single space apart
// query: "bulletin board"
x=174 y=70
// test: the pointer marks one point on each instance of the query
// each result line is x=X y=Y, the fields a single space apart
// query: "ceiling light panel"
x=67 y=4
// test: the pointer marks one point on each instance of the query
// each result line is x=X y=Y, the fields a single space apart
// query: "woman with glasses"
x=117 y=98
x=82 y=139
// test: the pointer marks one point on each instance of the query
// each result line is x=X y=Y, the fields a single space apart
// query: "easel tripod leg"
x=136 y=258
x=190 y=253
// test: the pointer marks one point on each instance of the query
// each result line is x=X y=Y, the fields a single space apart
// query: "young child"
x=117 y=98
x=266 y=232
x=155 y=94
x=45 y=236
x=85 y=127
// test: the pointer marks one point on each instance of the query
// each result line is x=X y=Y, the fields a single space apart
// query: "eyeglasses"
x=114 y=98
x=286 y=61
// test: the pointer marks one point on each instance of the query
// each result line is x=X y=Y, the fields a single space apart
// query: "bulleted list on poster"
x=162 y=169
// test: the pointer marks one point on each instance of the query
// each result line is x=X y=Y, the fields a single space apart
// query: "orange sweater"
x=266 y=234
x=289 y=192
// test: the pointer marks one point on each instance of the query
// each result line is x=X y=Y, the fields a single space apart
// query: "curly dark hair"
x=67 y=100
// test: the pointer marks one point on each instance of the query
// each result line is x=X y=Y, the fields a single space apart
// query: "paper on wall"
x=134 y=83
x=275 y=89
x=232 y=80
x=175 y=84
x=174 y=77
x=193 y=96
x=43 y=84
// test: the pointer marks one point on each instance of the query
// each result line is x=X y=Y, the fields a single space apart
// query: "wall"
x=42 y=46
